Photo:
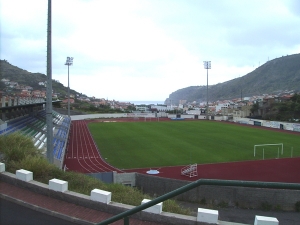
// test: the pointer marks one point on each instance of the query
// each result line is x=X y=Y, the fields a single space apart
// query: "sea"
x=146 y=102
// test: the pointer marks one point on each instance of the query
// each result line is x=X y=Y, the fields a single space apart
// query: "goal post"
x=279 y=144
x=190 y=170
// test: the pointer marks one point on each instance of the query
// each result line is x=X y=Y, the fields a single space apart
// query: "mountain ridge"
x=26 y=78
x=276 y=75
x=272 y=77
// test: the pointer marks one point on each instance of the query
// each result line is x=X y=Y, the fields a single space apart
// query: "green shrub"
x=18 y=152
x=15 y=147
x=41 y=168
x=172 y=206
x=82 y=183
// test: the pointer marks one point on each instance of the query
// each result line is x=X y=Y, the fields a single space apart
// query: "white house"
x=161 y=108
x=141 y=108
x=221 y=106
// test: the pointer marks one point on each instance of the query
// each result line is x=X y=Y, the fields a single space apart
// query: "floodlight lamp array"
x=69 y=61
x=207 y=64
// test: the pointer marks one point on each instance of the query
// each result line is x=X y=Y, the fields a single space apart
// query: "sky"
x=143 y=50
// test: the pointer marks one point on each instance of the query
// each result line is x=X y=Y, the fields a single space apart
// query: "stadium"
x=221 y=150
x=247 y=167
x=92 y=144
x=78 y=144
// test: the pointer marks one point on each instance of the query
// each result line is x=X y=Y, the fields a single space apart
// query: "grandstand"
x=30 y=120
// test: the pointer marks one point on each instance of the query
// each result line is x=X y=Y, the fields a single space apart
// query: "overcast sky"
x=131 y=50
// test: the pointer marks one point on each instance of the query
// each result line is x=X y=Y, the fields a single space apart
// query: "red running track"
x=83 y=156
x=82 y=153
x=273 y=170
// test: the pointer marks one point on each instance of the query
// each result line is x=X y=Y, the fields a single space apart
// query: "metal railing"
x=125 y=215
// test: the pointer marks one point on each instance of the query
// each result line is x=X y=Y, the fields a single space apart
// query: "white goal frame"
x=190 y=170
x=279 y=144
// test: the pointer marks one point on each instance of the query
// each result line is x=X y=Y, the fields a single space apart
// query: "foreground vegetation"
x=157 y=144
x=18 y=152
x=285 y=111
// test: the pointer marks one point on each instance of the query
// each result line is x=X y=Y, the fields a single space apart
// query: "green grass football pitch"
x=158 y=144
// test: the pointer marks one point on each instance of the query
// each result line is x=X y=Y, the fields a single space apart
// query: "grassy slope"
x=156 y=144
x=17 y=151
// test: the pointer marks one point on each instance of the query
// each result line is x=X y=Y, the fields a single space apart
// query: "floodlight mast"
x=69 y=62
x=207 y=66
x=49 y=89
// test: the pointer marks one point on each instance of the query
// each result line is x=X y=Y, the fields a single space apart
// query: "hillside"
x=272 y=77
x=25 y=78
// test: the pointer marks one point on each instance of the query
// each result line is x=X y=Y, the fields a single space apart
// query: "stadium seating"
x=35 y=126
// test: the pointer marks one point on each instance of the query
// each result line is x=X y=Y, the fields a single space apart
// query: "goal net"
x=190 y=170
x=264 y=149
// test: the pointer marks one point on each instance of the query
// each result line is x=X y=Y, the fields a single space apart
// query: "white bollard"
x=2 y=167
x=157 y=209
x=207 y=216
x=101 y=196
x=263 y=220
x=24 y=175
x=58 y=185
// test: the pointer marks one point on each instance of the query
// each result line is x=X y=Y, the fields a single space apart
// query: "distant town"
x=238 y=107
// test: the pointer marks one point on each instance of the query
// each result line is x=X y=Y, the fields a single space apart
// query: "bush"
x=81 y=183
x=42 y=170
x=15 y=147
x=172 y=206
x=18 y=152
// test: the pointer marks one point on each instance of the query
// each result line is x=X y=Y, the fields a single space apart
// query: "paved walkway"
x=61 y=209
x=85 y=216
x=240 y=216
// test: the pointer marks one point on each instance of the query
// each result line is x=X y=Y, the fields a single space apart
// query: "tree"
x=296 y=98
x=254 y=108
x=131 y=108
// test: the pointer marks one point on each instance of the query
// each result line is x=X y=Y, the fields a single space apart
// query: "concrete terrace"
x=76 y=207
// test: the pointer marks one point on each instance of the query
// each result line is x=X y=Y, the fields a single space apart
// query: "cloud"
x=145 y=50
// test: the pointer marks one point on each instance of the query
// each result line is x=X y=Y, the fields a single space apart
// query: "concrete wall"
x=100 y=115
x=219 y=118
x=185 y=116
x=118 y=115
x=233 y=196
x=157 y=185
x=85 y=201
x=268 y=123
x=124 y=178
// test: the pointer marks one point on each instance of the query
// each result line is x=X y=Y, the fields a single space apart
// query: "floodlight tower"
x=207 y=66
x=49 y=89
x=69 y=62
